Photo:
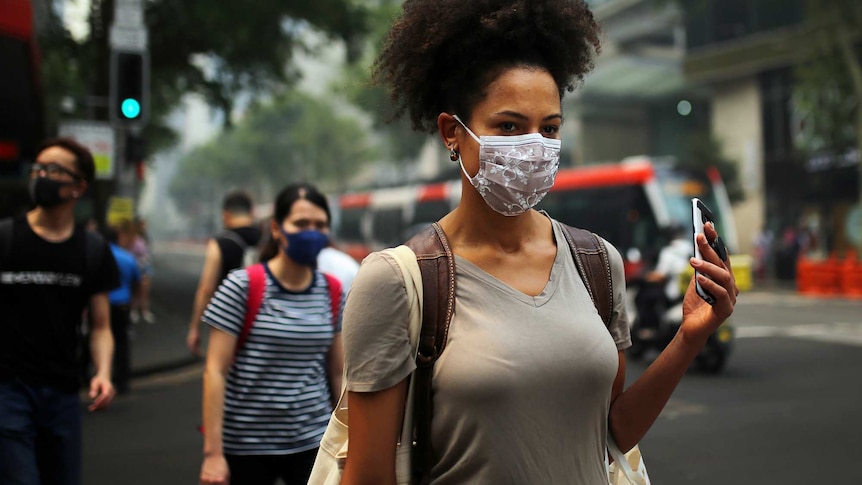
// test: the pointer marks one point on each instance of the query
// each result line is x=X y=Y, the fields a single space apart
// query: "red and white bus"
x=21 y=103
x=630 y=204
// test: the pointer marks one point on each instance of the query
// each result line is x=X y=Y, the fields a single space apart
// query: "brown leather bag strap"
x=437 y=265
x=591 y=259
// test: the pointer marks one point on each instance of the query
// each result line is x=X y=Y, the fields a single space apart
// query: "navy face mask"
x=304 y=246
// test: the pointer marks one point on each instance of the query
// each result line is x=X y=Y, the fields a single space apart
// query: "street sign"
x=120 y=209
x=129 y=39
x=98 y=137
x=128 y=32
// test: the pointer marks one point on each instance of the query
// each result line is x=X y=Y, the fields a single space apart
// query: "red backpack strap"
x=256 y=288
x=334 y=296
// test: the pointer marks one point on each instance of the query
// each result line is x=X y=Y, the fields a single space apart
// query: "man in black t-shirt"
x=225 y=252
x=50 y=270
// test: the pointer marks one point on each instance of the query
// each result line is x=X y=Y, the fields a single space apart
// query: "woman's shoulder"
x=237 y=278
x=379 y=268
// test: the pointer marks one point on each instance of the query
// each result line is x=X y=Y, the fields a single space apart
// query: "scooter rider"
x=661 y=286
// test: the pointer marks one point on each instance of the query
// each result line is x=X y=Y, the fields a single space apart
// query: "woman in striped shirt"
x=268 y=393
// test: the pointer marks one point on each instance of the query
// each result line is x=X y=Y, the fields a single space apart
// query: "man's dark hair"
x=83 y=158
x=237 y=202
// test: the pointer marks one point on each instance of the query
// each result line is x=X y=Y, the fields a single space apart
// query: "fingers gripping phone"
x=700 y=215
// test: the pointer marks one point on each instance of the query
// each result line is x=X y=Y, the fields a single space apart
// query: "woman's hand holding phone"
x=712 y=293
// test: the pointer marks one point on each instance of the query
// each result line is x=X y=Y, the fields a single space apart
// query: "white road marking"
x=837 y=332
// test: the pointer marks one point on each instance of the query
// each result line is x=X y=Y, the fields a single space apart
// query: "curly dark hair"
x=440 y=55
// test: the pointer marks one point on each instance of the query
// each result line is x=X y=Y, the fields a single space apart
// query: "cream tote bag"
x=627 y=469
x=332 y=453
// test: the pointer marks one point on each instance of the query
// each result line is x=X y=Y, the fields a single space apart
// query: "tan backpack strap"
x=437 y=265
x=591 y=259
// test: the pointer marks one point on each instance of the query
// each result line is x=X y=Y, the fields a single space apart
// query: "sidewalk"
x=161 y=346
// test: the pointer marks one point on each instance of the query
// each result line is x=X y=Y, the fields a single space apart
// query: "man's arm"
x=206 y=287
x=101 y=351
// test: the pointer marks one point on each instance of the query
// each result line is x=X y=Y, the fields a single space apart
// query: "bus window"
x=350 y=225
x=620 y=214
x=388 y=226
x=429 y=211
x=678 y=187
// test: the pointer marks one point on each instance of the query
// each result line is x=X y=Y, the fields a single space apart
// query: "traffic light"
x=129 y=87
x=135 y=149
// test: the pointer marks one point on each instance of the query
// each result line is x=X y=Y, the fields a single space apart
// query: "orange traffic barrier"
x=851 y=277
x=818 y=278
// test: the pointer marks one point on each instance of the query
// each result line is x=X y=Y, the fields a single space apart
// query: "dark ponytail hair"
x=282 y=207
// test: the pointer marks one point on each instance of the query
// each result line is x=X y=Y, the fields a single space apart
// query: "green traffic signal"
x=131 y=108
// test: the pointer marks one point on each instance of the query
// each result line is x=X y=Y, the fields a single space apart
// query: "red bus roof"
x=433 y=192
x=348 y=201
x=16 y=19
x=632 y=173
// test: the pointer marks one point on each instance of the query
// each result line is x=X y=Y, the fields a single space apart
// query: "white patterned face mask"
x=515 y=172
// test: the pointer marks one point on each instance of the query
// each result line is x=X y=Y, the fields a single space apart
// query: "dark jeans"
x=40 y=435
x=120 y=321
x=293 y=469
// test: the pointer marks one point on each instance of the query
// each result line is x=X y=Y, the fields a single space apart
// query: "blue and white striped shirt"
x=277 y=396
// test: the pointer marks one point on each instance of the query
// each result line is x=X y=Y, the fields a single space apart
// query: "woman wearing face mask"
x=530 y=383
x=268 y=393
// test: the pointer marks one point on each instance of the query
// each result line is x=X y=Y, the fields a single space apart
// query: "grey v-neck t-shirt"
x=522 y=390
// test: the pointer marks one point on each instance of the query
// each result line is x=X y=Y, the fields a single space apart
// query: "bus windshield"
x=678 y=187
x=621 y=214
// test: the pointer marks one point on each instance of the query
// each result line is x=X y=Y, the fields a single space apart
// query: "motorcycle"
x=712 y=358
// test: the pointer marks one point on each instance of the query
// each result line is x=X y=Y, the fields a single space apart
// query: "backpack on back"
x=437 y=266
x=257 y=290
x=249 y=252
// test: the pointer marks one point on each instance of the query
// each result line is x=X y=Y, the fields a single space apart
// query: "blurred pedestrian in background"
x=235 y=247
x=339 y=264
x=50 y=270
x=661 y=287
x=763 y=254
x=531 y=382
x=121 y=304
x=140 y=248
x=270 y=386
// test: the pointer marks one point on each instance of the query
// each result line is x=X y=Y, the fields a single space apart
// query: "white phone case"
x=700 y=215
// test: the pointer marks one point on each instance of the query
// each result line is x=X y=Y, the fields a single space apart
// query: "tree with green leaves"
x=216 y=48
x=828 y=91
x=403 y=143
x=296 y=138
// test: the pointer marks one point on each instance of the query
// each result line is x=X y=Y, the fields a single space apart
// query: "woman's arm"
x=635 y=410
x=335 y=365
x=375 y=426
x=220 y=353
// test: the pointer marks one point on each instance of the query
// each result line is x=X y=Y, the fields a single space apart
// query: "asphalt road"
x=786 y=409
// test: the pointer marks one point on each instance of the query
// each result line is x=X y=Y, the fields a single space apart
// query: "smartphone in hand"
x=700 y=215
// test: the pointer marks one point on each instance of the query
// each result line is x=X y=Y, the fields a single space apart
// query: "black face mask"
x=45 y=192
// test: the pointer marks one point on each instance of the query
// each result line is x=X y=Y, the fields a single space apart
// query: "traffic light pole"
x=129 y=93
